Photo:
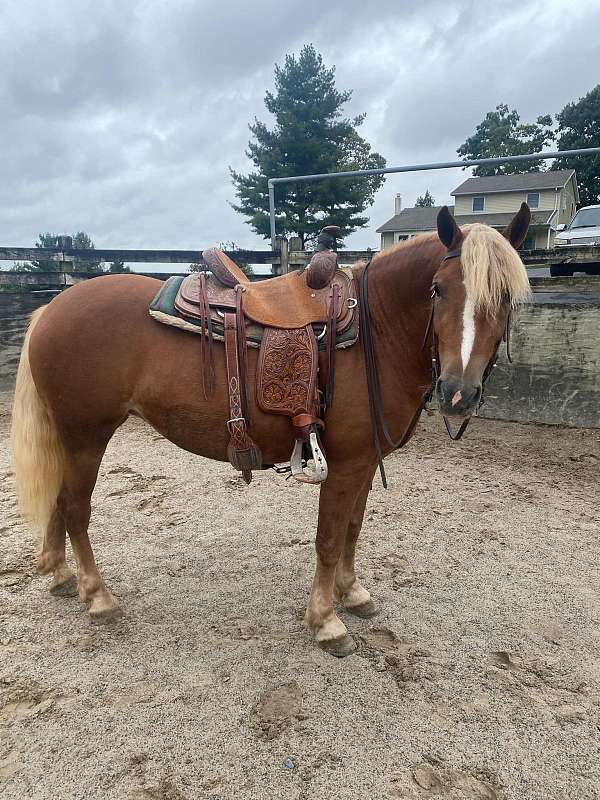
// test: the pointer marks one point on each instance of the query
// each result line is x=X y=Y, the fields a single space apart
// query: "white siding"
x=504 y=202
x=567 y=205
x=390 y=238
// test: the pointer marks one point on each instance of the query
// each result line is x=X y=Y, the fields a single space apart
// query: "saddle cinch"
x=297 y=320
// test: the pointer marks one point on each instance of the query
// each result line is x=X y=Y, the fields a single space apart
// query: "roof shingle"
x=424 y=219
x=520 y=181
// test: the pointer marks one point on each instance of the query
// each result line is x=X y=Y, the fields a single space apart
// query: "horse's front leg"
x=355 y=598
x=336 y=506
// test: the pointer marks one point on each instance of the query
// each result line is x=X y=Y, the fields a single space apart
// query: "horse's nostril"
x=456 y=397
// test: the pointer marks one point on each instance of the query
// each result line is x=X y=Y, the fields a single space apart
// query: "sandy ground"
x=479 y=679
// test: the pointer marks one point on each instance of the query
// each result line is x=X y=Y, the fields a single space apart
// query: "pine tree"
x=117 y=267
x=425 y=200
x=310 y=135
x=81 y=241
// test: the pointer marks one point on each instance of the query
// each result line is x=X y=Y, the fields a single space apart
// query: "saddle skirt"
x=283 y=302
x=177 y=303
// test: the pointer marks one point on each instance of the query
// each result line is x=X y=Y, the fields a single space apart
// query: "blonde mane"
x=492 y=269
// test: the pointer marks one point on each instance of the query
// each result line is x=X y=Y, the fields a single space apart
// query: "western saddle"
x=295 y=372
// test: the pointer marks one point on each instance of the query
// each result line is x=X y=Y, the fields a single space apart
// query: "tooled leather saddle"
x=296 y=320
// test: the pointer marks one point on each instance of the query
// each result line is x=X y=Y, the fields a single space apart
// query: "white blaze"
x=468 y=335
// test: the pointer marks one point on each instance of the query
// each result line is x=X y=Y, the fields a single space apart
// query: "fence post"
x=65 y=243
x=281 y=247
x=295 y=246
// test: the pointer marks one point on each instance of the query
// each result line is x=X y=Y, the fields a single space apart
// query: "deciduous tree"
x=579 y=126
x=501 y=133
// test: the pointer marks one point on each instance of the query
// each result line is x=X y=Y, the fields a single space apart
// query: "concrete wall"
x=555 y=374
x=555 y=377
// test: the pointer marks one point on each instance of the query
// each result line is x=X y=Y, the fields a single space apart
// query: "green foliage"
x=310 y=136
x=117 y=267
x=425 y=200
x=502 y=134
x=579 y=126
x=81 y=241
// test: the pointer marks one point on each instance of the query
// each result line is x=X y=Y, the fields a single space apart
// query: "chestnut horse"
x=93 y=356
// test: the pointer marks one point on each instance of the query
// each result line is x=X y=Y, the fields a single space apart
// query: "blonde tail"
x=37 y=451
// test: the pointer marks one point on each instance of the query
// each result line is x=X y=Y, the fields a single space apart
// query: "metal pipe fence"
x=356 y=173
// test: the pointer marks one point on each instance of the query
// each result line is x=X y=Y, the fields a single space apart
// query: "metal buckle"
x=307 y=473
x=235 y=419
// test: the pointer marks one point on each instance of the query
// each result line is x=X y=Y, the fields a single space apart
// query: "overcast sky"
x=122 y=118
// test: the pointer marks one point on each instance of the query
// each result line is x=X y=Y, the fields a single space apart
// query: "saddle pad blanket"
x=287 y=371
x=163 y=309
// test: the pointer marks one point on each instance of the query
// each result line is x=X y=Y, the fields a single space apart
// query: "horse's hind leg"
x=74 y=504
x=51 y=558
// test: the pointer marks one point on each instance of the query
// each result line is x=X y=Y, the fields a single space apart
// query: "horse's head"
x=479 y=280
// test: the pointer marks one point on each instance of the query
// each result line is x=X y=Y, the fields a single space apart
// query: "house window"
x=533 y=199
x=478 y=203
x=529 y=243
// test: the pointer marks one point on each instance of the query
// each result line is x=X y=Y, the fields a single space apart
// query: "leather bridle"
x=376 y=411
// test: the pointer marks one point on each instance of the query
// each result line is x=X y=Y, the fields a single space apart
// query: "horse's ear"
x=448 y=230
x=516 y=230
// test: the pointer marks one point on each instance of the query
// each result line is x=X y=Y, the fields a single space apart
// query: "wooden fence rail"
x=558 y=255
x=65 y=257
x=281 y=260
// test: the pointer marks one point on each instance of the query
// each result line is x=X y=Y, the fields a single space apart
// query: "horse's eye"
x=435 y=290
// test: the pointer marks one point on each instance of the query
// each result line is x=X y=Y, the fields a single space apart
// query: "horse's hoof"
x=106 y=615
x=105 y=610
x=67 y=588
x=364 y=610
x=340 y=648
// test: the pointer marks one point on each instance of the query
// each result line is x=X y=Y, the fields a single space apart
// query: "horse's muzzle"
x=457 y=399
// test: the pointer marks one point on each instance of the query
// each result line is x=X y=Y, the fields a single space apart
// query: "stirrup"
x=316 y=473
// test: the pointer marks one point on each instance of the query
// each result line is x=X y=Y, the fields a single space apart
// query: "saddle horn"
x=323 y=264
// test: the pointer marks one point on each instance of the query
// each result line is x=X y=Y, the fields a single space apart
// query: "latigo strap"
x=242 y=451
x=206 y=343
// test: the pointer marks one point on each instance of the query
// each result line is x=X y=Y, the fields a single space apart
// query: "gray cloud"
x=121 y=119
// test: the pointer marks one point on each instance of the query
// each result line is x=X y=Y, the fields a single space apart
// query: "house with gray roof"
x=493 y=200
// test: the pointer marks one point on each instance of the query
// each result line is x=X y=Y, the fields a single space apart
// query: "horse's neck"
x=400 y=306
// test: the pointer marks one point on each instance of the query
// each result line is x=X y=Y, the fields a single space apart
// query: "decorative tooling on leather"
x=287 y=369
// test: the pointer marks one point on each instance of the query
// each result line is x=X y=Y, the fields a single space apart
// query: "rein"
x=376 y=411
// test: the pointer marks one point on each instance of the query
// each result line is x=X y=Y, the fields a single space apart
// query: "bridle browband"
x=376 y=411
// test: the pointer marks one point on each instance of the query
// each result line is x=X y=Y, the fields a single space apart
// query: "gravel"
x=479 y=679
